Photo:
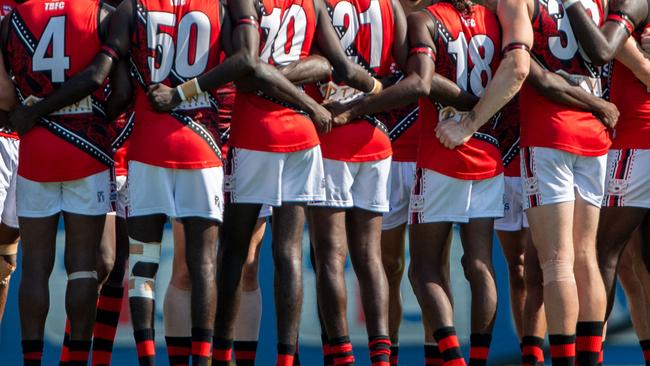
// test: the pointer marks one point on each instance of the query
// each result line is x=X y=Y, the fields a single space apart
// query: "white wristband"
x=198 y=87
x=180 y=93
x=569 y=3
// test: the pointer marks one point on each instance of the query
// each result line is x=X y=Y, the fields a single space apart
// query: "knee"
x=105 y=265
x=250 y=274
x=289 y=259
x=557 y=270
x=7 y=267
x=516 y=271
x=420 y=274
x=394 y=268
x=475 y=269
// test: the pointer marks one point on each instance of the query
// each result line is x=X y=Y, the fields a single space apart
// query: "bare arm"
x=309 y=70
x=601 y=45
x=636 y=60
x=514 y=16
x=400 y=38
x=330 y=46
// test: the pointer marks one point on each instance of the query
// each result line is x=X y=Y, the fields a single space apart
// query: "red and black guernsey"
x=43 y=52
x=467 y=52
x=508 y=136
x=549 y=124
x=173 y=42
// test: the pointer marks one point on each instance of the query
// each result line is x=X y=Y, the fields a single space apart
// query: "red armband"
x=110 y=52
x=623 y=19
x=515 y=46
x=425 y=50
x=248 y=21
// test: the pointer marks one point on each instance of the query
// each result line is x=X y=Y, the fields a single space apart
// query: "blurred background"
x=621 y=345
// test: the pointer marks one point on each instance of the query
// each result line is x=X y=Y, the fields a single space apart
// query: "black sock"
x=589 y=342
x=146 y=346
x=179 y=350
x=449 y=346
x=79 y=351
x=532 y=352
x=563 y=349
x=201 y=346
x=479 y=349
x=221 y=352
x=32 y=352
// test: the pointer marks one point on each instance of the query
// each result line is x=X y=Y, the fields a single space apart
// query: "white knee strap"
x=6 y=269
x=558 y=271
x=81 y=275
x=141 y=277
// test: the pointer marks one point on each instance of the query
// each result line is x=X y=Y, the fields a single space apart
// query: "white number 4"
x=58 y=63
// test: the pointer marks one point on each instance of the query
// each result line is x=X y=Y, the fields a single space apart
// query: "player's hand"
x=607 y=113
x=645 y=40
x=322 y=119
x=163 y=98
x=23 y=118
x=452 y=133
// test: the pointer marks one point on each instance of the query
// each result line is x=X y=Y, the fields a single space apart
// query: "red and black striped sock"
x=479 y=348
x=109 y=306
x=296 y=358
x=645 y=347
x=65 y=350
x=286 y=354
x=449 y=346
x=432 y=356
x=379 y=347
x=601 y=355
x=79 y=352
x=32 y=352
x=341 y=349
x=394 y=354
x=221 y=352
x=201 y=346
x=532 y=352
x=245 y=353
x=145 y=346
x=328 y=359
x=563 y=349
x=589 y=342
x=179 y=350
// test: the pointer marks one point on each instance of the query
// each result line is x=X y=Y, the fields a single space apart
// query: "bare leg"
x=393 y=260
x=513 y=244
x=8 y=247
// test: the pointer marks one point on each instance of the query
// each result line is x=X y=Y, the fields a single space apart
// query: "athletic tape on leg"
x=82 y=275
x=6 y=269
x=143 y=266
x=558 y=271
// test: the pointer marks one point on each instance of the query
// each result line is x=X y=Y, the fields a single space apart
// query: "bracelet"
x=569 y=3
x=189 y=89
x=180 y=93
x=376 y=88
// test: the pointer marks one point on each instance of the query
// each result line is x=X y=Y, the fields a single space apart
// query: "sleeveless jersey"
x=365 y=29
x=263 y=123
x=403 y=129
x=6 y=6
x=508 y=137
x=175 y=41
x=632 y=98
x=467 y=53
x=43 y=52
x=546 y=123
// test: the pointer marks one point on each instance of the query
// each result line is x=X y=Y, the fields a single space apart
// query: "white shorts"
x=176 y=193
x=8 y=174
x=438 y=198
x=273 y=178
x=120 y=196
x=402 y=176
x=363 y=185
x=552 y=176
x=514 y=218
x=86 y=196
x=628 y=178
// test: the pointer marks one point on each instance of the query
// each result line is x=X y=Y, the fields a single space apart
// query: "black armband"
x=622 y=19
x=515 y=46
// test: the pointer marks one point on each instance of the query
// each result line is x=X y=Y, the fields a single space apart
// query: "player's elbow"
x=421 y=88
x=520 y=70
x=601 y=56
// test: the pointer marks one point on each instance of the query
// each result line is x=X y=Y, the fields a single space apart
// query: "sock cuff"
x=590 y=329
x=80 y=345
x=144 y=335
x=431 y=350
x=561 y=338
x=339 y=340
x=112 y=291
x=245 y=345
x=222 y=343
x=202 y=334
x=286 y=349
x=480 y=339
x=444 y=332
x=379 y=341
x=532 y=341
x=32 y=345
x=645 y=343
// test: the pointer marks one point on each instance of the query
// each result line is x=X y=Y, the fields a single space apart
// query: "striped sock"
x=328 y=358
x=589 y=342
x=601 y=355
x=221 y=352
x=146 y=346
x=394 y=354
x=296 y=358
x=245 y=352
x=201 y=346
x=341 y=350
x=645 y=347
x=179 y=350
x=479 y=349
x=65 y=350
x=432 y=356
x=532 y=353
x=286 y=354
x=79 y=351
x=563 y=349
x=449 y=346
x=32 y=352
x=379 y=347
x=109 y=306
